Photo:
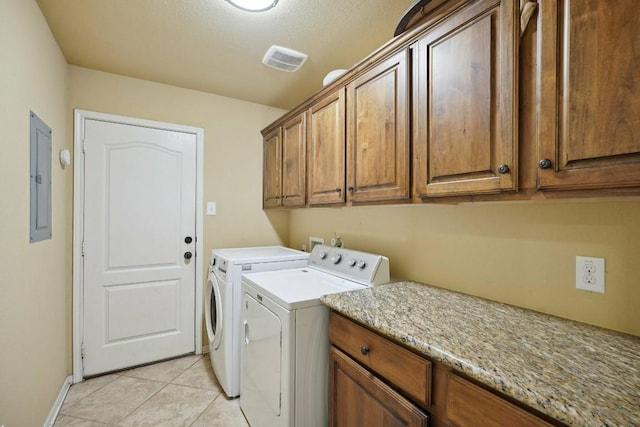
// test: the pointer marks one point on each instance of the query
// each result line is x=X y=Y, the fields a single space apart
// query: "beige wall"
x=34 y=278
x=518 y=253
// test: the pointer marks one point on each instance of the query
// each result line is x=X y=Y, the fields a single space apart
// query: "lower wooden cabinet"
x=359 y=398
x=374 y=381
x=467 y=404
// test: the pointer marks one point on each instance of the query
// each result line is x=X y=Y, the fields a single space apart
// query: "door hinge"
x=84 y=248
x=82 y=352
x=84 y=145
x=280 y=402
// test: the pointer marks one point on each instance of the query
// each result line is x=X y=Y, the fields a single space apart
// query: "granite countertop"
x=578 y=374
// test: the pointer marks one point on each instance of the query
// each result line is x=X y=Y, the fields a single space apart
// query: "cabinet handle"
x=272 y=198
x=503 y=169
x=544 y=164
x=351 y=188
x=364 y=350
x=338 y=190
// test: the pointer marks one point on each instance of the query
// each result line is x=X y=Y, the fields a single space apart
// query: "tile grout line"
x=84 y=397
x=145 y=401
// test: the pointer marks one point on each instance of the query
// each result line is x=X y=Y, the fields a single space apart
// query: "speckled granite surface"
x=578 y=374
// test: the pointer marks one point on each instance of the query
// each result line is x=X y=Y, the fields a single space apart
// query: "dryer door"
x=213 y=312
x=261 y=363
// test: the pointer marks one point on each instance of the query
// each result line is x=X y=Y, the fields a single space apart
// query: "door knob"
x=188 y=255
x=188 y=240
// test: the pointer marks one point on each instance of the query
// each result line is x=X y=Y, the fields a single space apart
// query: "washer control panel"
x=362 y=267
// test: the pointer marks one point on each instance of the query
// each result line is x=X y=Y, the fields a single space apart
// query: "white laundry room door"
x=139 y=245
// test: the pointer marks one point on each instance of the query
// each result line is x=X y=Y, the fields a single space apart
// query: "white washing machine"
x=285 y=350
x=223 y=299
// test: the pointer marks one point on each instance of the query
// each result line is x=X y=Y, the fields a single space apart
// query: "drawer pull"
x=364 y=350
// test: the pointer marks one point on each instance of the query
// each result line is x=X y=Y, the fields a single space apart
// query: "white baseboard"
x=59 y=401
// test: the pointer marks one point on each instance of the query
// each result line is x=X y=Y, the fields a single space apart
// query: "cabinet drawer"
x=407 y=371
x=470 y=405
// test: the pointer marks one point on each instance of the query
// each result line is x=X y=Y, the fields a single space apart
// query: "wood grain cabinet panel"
x=590 y=102
x=284 y=164
x=465 y=102
x=378 y=132
x=358 y=398
x=272 y=169
x=294 y=133
x=469 y=406
x=326 y=150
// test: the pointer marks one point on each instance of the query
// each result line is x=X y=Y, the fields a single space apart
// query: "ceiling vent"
x=282 y=58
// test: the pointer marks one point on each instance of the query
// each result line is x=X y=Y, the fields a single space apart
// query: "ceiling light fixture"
x=254 y=5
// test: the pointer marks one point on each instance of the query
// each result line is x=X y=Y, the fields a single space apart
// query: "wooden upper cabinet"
x=326 y=150
x=293 y=161
x=272 y=169
x=465 y=131
x=589 y=101
x=378 y=132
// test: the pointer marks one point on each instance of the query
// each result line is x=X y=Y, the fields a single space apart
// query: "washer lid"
x=298 y=287
x=259 y=254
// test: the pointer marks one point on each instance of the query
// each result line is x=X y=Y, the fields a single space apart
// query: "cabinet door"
x=465 y=102
x=271 y=169
x=378 y=133
x=589 y=101
x=326 y=150
x=293 y=161
x=469 y=405
x=358 y=398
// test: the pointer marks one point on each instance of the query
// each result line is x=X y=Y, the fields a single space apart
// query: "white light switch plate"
x=590 y=274
x=211 y=208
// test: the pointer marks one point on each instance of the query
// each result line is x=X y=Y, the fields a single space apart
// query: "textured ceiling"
x=210 y=46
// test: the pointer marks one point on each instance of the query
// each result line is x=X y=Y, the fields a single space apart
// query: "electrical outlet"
x=315 y=241
x=590 y=274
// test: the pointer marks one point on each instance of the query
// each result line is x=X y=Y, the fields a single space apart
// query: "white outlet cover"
x=590 y=274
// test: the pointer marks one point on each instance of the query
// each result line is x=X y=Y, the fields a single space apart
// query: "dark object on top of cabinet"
x=411 y=16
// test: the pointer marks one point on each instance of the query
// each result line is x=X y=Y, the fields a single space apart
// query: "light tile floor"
x=178 y=392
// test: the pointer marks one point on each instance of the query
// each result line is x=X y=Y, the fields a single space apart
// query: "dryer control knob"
x=323 y=255
x=336 y=258
x=362 y=264
x=352 y=262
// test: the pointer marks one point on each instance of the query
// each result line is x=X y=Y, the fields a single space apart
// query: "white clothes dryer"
x=285 y=348
x=223 y=295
